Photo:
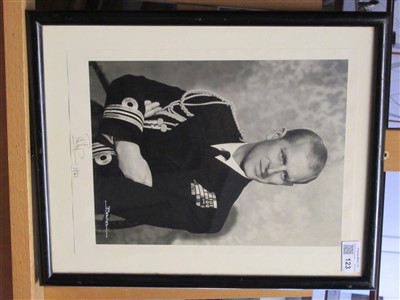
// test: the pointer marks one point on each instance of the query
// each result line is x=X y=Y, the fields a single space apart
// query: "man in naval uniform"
x=169 y=158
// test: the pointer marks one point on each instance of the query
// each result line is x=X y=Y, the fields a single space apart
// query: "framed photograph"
x=209 y=149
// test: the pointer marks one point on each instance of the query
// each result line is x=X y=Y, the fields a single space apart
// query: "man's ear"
x=277 y=134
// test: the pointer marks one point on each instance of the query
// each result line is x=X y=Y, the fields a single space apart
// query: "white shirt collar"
x=231 y=148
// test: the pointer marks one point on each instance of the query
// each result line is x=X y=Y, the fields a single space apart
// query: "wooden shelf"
x=140 y=293
x=392 y=151
x=5 y=247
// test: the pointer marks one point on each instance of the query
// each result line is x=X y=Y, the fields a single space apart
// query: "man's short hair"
x=318 y=153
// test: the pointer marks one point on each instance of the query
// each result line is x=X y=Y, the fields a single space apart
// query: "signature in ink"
x=107 y=211
x=79 y=145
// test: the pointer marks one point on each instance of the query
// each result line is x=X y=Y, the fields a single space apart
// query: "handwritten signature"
x=79 y=145
x=107 y=211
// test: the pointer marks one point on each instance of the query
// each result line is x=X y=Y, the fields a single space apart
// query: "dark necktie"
x=216 y=152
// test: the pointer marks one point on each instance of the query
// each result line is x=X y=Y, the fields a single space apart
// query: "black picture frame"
x=379 y=23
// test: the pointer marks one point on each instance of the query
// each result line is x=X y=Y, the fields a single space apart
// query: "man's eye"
x=283 y=157
x=285 y=177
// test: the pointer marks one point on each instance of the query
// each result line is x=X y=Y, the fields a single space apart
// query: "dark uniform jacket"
x=192 y=190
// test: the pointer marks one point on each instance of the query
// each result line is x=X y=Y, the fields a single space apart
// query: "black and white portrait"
x=218 y=152
x=208 y=150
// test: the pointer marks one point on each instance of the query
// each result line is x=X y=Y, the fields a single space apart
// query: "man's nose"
x=276 y=169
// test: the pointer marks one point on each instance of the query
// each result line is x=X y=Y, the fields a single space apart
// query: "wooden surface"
x=392 y=149
x=5 y=247
x=16 y=90
x=257 y=4
x=138 y=293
